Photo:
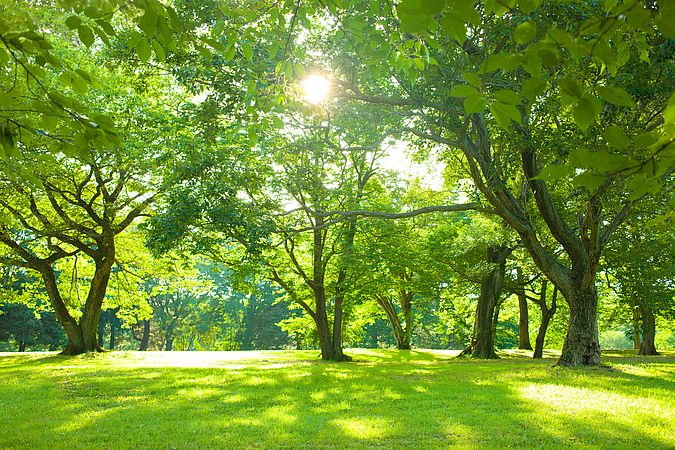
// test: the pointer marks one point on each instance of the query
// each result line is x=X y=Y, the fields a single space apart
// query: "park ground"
x=290 y=399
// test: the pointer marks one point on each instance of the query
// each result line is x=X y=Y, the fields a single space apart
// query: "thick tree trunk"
x=648 y=332
x=635 y=322
x=546 y=315
x=482 y=343
x=581 y=345
x=94 y=302
x=22 y=346
x=75 y=344
x=336 y=342
x=145 y=339
x=523 y=323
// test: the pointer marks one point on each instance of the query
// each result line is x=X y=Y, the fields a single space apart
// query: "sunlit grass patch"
x=416 y=399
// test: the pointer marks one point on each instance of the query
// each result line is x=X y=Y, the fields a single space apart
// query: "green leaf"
x=159 y=51
x=73 y=22
x=218 y=28
x=247 y=50
x=143 y=50
x=669 y=113
x=588 y=180
x=571 y=87
x=454 y=27
x=86 y=35
x=148 y=22
x=472 y=79
x=433 y=7
x=494 y=62
x=474 y=104
x=615 y=95
x=616 y=137
x=92 y=12
x=584 y=112
x=524 y=32
x=554 y=172
x=527 y=6
x=533 y=87
x=413 y=17
x=7 y=140
x=507 y=96
x=504 y=113
x=644 y=140
x=463 y=90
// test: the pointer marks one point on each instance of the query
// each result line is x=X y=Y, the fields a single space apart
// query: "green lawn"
x=418 y=399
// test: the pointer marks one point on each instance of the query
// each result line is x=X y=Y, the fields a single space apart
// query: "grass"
x=386 y=398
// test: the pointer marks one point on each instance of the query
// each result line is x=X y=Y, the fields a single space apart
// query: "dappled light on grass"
x=292 y=399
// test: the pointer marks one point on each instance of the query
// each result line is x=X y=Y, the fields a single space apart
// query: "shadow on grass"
x=413 y=399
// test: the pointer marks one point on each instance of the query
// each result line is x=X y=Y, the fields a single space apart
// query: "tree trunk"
x=482 y=343
x=546 y=315
x=100 y=332
x=145 y=339
x=395 y=322
x=523 y=323
x=22 y=346
x=406 y=308
x=581 y=345
x=168 y=343
x=75 y=344
x=635 y=322
x=111 y=346
x=94 y=302
x=648 y=332
x=336 y=342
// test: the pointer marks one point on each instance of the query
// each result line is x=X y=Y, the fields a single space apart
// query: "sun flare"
x=315 y=89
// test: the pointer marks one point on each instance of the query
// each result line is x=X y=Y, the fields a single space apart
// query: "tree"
x=539 y=93
x=639 y=267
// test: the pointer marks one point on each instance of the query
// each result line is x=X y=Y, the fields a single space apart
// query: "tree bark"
x=648 y=346
x=523 y=317
x=145 y=339
x=482 y=343
x=582 y=346
x=401 y=334
x=406 y=309
x=635 y=322
x=546 y=315
x=111 y=345
x=100 y=332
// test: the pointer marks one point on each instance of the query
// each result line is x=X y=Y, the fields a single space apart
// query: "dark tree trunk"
x=523 y=321
x=111 y=345
x=648 y=332
x=73 y=331
x=406 y=309
x=101 y=332
x=145 y=338
x=482 y=343
x=546 y=315
x=581 y=345
x=168 y=344
x=22 y=346
x=635 y=322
